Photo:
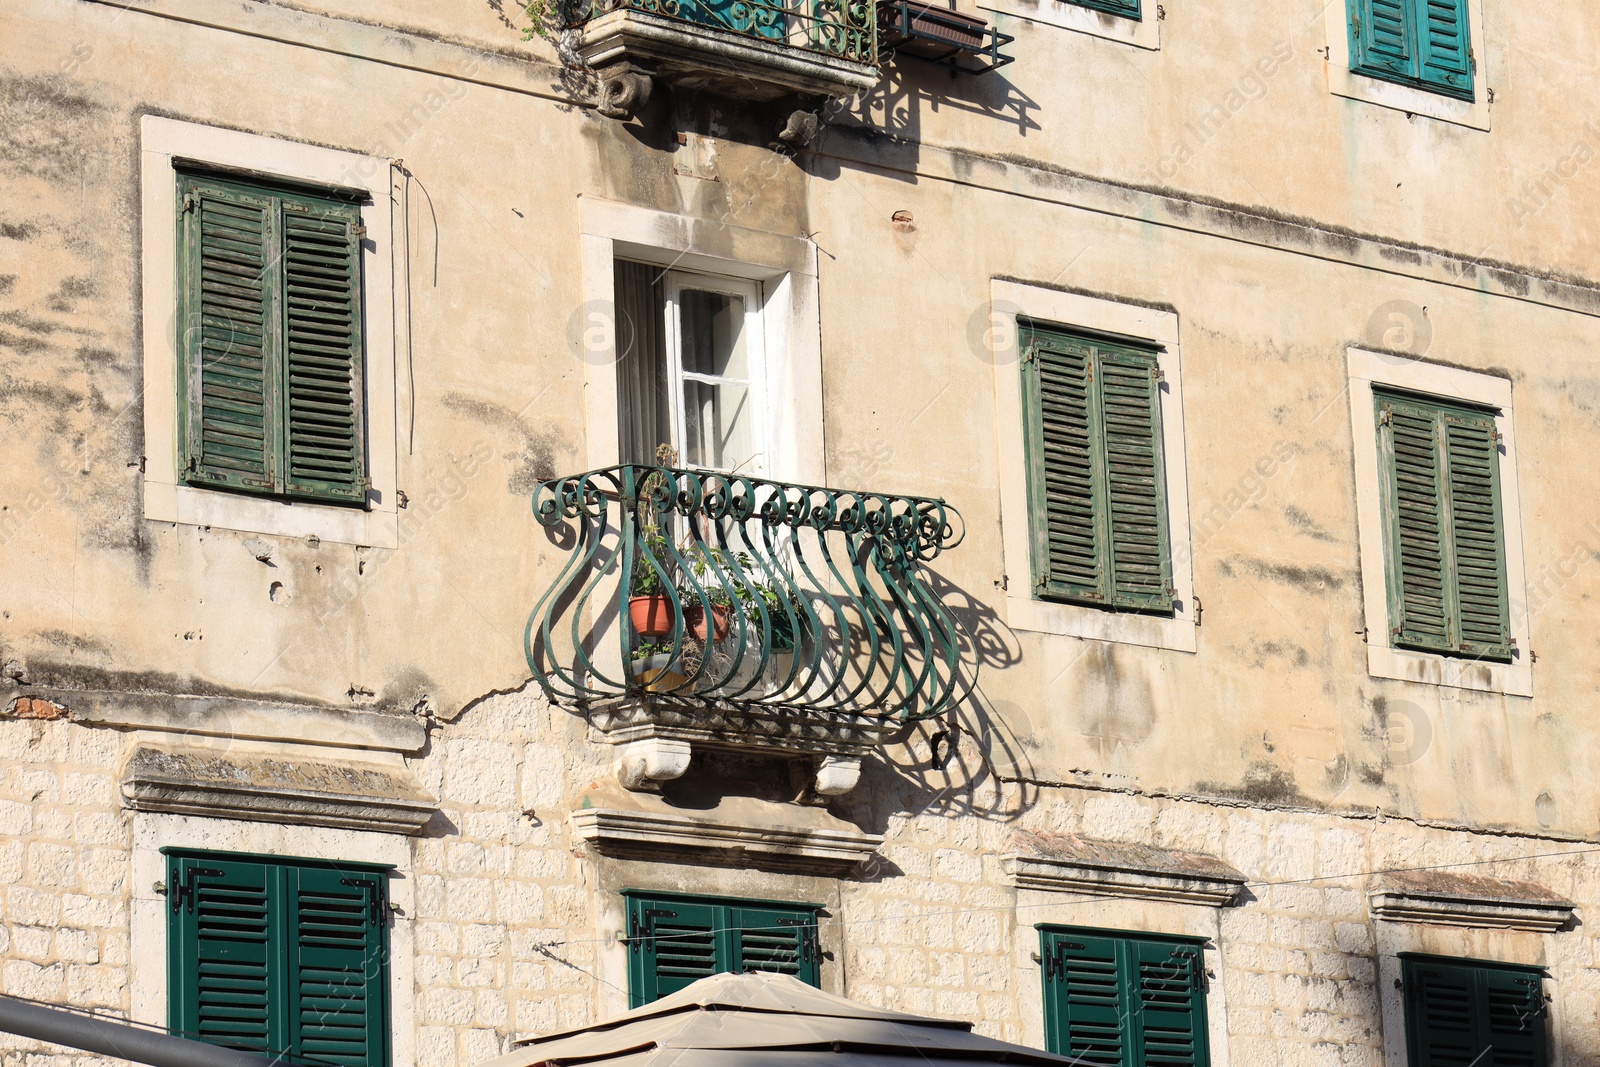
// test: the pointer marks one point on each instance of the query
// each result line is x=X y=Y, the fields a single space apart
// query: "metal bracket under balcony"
x=715 y=610
x=752 y=49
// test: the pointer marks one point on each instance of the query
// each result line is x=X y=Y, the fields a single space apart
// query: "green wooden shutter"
x=339 y=980
x=1170 y=999
x=272 y=380
x=223 y=932
x=1383 y=38
x=1472 y=452
x=1464 y=1013
x=323 y=394
x=1135 y=516
x=1124 y=1001
x=1513 y=1018
x=1086 y=1010
x=1128 y=9
x=1444 y=47
x=675 y=941
x=280 y=957
x=1445 y=538
x=228 y=340
x=671 y=943
x=776 y=941
x=1064 y=471
x=1097 y=492
x=1425 y=43
x=1441 y=1028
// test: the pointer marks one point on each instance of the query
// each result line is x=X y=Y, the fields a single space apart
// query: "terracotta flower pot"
x=721 y=617
x=651 y=615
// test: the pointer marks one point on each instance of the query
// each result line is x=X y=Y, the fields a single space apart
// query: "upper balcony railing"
x=846 y=29
x=700 y=589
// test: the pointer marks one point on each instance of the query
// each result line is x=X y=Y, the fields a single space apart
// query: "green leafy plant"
x=651 y=648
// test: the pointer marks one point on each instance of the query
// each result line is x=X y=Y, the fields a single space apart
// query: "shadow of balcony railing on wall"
x=708 y=591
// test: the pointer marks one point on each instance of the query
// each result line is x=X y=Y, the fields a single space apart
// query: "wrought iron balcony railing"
x=844 y=29
x=703 y=590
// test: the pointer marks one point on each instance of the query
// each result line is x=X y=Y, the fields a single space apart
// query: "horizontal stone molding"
x=1444 y=899
x=742 y=831
x=230 y=717
x=1067 y=863
x=258 y=788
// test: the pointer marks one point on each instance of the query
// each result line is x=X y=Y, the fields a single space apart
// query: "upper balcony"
x=699 y=608
x=751 y=49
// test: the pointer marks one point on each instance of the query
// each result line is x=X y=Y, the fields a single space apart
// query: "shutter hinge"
x=374 y=894
x=1158 y=374
x=809 y=948
x=1030 y=354
x=1499 y=438
x=184 y=891
x=188 y=203
x=1383 y=417
x=361 y=229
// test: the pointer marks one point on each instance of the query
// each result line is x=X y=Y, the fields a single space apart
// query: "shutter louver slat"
x=227 y=342
x=322 y=352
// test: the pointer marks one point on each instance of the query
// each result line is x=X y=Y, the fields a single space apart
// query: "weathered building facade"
x=1230 y=362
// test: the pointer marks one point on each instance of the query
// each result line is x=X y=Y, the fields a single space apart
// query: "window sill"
x=1176 y=634
x=1481 y=676
x=1141 y=33
x=165 y=502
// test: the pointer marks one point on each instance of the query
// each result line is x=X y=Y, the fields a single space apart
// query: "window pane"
x=716 y=423
x=713 y=334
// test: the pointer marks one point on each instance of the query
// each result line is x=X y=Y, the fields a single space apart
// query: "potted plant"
x=708 y=565
x=657 y=669
x=649 y=605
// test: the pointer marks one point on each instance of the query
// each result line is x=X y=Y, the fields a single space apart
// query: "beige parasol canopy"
x=752 y=1020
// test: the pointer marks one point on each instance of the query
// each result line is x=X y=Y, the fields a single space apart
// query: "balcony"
x=749 y=49
x=699 y=609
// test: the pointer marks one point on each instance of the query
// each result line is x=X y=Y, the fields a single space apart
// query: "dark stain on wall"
x=1308 y=579
x=532 y=454
x=1263 y=783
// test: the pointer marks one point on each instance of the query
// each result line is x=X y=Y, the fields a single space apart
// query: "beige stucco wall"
x=1277 y=242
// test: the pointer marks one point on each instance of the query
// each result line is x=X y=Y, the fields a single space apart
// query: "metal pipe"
x=119 y=1040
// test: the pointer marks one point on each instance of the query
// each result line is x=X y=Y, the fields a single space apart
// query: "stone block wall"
x=507 y=939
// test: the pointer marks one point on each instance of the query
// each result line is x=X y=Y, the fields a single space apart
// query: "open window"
x=690 y=368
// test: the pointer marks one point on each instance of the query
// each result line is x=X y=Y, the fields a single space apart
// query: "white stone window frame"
x=1368 y=369
x=1342 y=81
x=1117 y=918
x=166 y=497
x=1159 y=329
x=1144 y=32
x=148 y=920
x=785 y=267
